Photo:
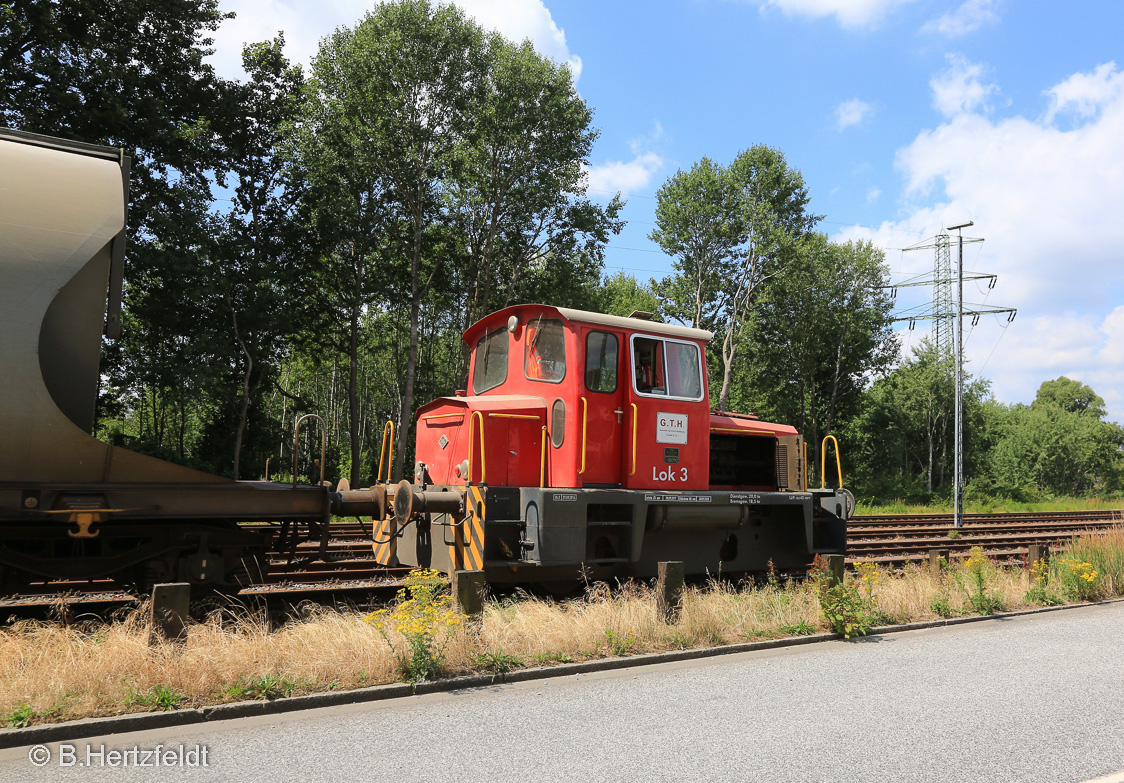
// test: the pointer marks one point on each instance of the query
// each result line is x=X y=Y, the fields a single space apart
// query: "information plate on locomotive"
x=678 y=499
x=671 y=456
x=671 y=428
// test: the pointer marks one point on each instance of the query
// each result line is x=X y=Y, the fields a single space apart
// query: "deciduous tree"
x=730 y=229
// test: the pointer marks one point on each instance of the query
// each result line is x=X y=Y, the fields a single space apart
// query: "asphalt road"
x=1034 y=698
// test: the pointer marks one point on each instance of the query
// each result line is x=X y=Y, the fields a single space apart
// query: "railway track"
x=349 y=570
x=898 y=539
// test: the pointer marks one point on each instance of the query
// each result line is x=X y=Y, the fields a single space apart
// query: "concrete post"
x=1036 y=552
x=669 y=590
x=935 y=558
x=171 y=605
x=835 y=566
x=468 y=591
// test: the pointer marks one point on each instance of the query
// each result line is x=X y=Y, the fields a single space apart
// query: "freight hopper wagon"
x=587 y=447
x=73 y=507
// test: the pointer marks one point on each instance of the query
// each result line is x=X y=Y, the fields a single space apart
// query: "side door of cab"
x=601 y=408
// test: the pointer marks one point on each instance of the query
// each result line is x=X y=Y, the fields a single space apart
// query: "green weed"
x=264 y=686
x=158 y=697
x=976 y=569
x=619 y=645
x=1079 y=580
x=801 y=628
x=942 y=606
x=496 y=662
x=21 y=717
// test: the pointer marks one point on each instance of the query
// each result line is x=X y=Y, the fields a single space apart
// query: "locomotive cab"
x=622 y=401
x=586 y=444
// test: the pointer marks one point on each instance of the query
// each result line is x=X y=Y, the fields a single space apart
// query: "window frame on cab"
x=540 y=322
x=476 y=370
x=585 y=375
x=664 y=340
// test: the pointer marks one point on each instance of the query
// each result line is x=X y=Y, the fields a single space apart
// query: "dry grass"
x=52 y=672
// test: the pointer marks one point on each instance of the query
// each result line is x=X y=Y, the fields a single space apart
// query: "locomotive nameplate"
x=671 y=428
x=671 y=456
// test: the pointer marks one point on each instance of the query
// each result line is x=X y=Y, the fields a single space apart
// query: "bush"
x=1080 y=581
x=845 y=608
x=975 y=571
x=420 y=616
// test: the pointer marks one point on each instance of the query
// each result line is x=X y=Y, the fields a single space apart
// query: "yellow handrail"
x=741 y=430
x=542 y=459
x=388 y=428
x=805 y=466
x=823 y=462
x=633 y=471
x=476 y=416
x=585 y=410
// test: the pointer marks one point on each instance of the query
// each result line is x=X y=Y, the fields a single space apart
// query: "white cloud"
x=629 y=176
x=970 y=16
x=959 y=89
x=849 y=13
x=304 y=24
x=1085 y=94
x=519 y=19
x=873 y=193
x=851 y=112
x=1080 y=347
x=624 y=177
x=1047 y=200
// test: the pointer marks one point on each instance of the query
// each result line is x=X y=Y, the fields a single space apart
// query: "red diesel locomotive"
x=587 y=447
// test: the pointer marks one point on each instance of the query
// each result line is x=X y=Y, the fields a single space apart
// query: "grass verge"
x=52 y=672
x=994 y=506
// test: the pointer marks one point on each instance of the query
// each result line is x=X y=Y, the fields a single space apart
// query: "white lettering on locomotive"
x=669 y=474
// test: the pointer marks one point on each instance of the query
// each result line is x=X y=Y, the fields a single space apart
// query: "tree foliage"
x=730 y=229
x=441 y=158
x=1058 y=445
x=901 y=437
x=820 y=334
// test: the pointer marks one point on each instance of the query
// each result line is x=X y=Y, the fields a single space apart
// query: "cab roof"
x=587 y=317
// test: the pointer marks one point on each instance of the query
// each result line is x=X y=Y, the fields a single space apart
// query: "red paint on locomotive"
x=623 y=402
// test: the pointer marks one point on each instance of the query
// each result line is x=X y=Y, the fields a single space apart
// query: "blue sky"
x=903 y=116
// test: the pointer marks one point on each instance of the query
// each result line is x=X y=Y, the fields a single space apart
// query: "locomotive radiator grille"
x=782 y=466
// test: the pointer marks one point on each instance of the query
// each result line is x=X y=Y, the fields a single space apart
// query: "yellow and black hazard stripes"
x=385 y=544
x=467 y=551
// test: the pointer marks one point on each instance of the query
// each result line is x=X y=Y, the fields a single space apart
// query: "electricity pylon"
x=947 y=314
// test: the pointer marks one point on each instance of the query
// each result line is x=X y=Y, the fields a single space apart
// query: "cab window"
x=490 y=369
x=544 y=358
x=683 y=376
x=602 y=352
x=667 y=368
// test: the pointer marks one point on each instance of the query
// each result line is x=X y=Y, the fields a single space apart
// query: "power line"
x=637 y=249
